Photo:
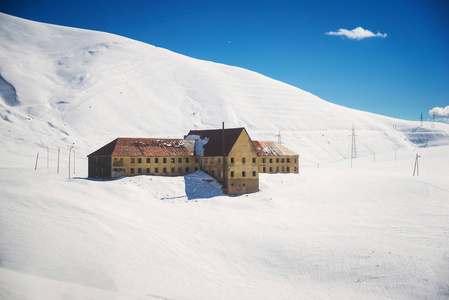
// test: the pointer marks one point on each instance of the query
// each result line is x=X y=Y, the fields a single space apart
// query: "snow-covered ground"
x=373 y=231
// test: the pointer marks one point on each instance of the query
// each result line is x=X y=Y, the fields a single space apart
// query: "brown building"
x=229 y=156
x=140 y=156
x=275 y=158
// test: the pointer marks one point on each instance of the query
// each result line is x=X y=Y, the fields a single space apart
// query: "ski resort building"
x=228 y=155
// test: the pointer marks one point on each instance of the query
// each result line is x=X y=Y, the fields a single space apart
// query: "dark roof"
x=269 y=148
x=214 y=146
x=146 y=147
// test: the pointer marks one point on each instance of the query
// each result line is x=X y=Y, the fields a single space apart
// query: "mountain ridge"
x=76 y=85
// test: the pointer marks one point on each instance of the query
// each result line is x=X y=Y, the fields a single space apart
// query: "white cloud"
x=440 y=113
x=357 y=33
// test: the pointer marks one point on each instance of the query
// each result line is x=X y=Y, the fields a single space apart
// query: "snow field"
x=329 y=232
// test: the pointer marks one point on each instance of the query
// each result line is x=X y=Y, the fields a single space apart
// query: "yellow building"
x=229 y=156
x=275 y=158
x=141 y=156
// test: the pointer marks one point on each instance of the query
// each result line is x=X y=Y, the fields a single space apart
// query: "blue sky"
x=398 y=75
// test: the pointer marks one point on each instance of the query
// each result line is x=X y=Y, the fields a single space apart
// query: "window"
x=264 y=169
x=196 y=168
x=139 y=170
x=254 y=173
x=282 y=160
x=132 y=160
x=139 y=160
x=180 y=160
x=164 y=160
x=232 y=160
x=243 y=174
x=277 y=169
x=288 y=169
x=115 y=158
x=206 y=160
x=187 y=170
x=295 y=169
x=213 y=173
x=172 y=170
x=148 y=170
x=115 y=169
x=288 y=160
x=271 y=160
x=219 y=161
x=187 y=159
x=283 y=169
x=271 y=169
x=232 y=173
x=295 y=160
x=264 y=160
x=219 y=174
x=132 y=170
x=156 y=170
x=172 y=160
x=211 y=160
x=121 y=158
x=164 y=170
x=254 y=160
x=243 y=160
x=277 y=160
x=179 y=170
x=156 y=160
x=148 y=160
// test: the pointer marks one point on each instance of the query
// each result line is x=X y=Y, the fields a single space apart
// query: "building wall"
x=99 y=167
x=242 y=173
x=278 y=164
x=212 y=165
x=162 y=165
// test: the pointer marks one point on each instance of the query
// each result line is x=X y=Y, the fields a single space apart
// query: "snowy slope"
x=89 y=87
x=371 y=232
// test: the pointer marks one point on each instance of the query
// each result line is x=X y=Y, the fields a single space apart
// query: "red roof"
x=214 y=145
x=146 y=147
x=269 y=148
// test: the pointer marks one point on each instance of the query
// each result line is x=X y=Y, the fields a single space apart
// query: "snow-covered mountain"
x=371 y=232
x=84 y=87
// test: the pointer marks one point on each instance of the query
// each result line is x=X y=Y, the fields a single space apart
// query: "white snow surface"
x=373 y=231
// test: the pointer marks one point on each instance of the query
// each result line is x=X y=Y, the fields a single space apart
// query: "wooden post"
x=37 y=158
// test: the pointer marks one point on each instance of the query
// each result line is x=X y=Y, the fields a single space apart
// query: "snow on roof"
x=270 y=148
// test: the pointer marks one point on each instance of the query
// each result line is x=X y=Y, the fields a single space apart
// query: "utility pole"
x=70 y=152
x=279 y=138
x=421 y=119
x=225 y=184
x=416 y=168
x=353 y=147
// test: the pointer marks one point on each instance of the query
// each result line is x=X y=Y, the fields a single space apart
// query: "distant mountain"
x=62 y=85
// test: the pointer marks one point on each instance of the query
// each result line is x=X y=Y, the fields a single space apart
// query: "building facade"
x=228 y=155
x=275 y=158
x=138 y=156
